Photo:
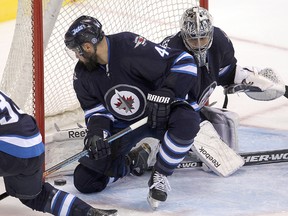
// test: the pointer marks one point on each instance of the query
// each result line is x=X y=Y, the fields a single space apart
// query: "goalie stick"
x=85 y=152
x=250 y=158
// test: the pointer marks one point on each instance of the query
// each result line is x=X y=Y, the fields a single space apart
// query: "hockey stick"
x=85 y=152
x=250 y=158
x=4 y=195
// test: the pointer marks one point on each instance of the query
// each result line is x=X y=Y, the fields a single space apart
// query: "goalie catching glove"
x=158 y=108
x=258 y=84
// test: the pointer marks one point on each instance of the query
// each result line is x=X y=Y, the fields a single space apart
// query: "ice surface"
x=252 y=191
x=257 y=29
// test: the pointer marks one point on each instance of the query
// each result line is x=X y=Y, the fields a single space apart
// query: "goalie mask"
x=197 y=32
x=84 y=29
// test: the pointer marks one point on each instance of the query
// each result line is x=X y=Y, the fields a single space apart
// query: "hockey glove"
x=97 y=146
x=252 y=78
x=158 y=108
x=259 y=84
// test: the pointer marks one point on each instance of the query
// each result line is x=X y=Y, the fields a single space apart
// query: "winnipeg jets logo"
x=125 y=102
x=77 y=29
x=139 y=40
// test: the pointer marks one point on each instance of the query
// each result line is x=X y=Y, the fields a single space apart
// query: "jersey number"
x=161 y=51
x=7 y=115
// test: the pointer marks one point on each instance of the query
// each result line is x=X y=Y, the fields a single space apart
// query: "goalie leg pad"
x=216 y=154
x=226 y=124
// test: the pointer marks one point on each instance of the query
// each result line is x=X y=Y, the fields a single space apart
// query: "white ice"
x=259 y=32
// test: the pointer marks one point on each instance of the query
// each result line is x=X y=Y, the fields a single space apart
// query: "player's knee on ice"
x=89 y=181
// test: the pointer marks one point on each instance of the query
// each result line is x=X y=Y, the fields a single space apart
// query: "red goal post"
x=204 y=4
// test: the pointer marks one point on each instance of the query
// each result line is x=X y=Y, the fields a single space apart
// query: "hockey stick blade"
x=286 y=91
x=85 y=152
x=4 y=195
x=250 y=158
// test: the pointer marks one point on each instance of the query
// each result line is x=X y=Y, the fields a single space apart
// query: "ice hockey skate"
x=138 y=158
x=158 y=188
x=102 y=212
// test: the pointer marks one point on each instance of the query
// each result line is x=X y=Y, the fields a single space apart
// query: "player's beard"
x=91 y=63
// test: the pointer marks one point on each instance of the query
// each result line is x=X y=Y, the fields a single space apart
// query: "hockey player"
x=21 y=160
x=118 y=80
x=214 y=54
x=217 y=66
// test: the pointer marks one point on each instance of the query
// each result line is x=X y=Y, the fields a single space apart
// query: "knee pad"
x=184 y=123
x=89 y=181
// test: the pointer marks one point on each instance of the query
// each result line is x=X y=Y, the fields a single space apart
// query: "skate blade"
x=153 y=202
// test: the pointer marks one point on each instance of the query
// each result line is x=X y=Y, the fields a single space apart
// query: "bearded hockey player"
x=121 y=78
x=118 y=80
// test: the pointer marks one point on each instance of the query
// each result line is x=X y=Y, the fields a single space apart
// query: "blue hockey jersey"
x=136 y=66
x=19 y=134
x=221 y=62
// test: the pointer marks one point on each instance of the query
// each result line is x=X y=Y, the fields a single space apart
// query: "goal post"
x=37 y=47
x=38 y=74
x=204 y=4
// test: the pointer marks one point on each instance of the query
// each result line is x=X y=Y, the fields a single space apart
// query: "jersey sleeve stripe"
x=107 y=115
x=183 y=55
x=89 y=112
x=195 y=106
x=22 y=141
x=22 y=152
x=224 y=70
x=187 y=69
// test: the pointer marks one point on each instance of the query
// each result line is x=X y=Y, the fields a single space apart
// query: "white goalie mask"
x=197 y=32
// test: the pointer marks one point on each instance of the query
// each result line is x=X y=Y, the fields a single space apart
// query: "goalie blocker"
x=214 y=153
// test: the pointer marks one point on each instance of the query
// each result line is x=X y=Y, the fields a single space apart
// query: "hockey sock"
x=67 y=204
x=171 y=153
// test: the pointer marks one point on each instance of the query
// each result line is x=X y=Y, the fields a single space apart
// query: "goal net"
x=153 y=19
